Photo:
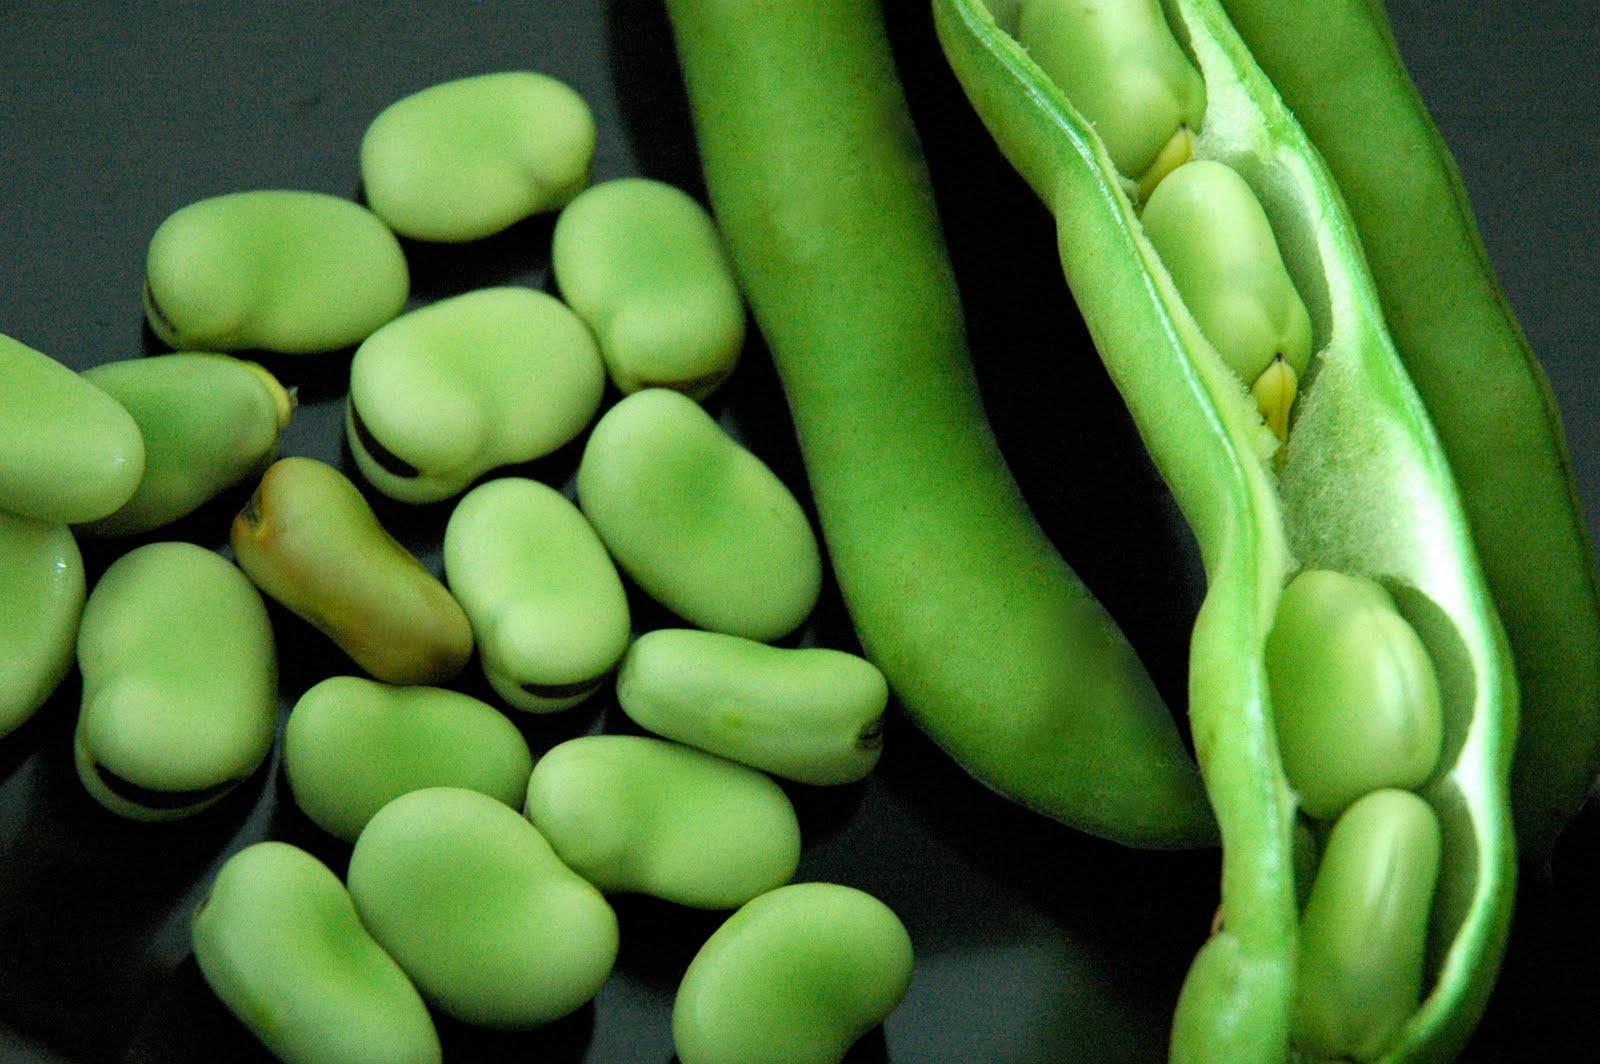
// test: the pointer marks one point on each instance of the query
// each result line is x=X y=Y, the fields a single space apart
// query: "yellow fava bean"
x=701 y=524
x=285 y=270
x=477 y=909
x=41 y=598
x=467 y=158
x=279 y=942
x=68 y=451
x=641 y=262
x=1354 y=693
x=547 y=606
x=811 y=714
x=353 y=745
x=1363 y=933
x=180 y=697
x=632 y=813
x=442 y=395
x=308 y=538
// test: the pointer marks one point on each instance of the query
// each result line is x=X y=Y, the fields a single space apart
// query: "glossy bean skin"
x=1363 y=933
x=68 y=451
x=1360 y=485
x=208 y=421
x=636 y=814
x=703 y=525
x=985 y=635
x=309 y=540
x=809 y=714
x=180 y=697
x=464 y=159
x=1337 y=66
x=41 y=598
x=477 y=909
x=443 y=394
x=796 y=976
x=279 y=942
x=641 y=262
x=1354 y=695
x=547 y=606
x=352 y=745
x=281 y=269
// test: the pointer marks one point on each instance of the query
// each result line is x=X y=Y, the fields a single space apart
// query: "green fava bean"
x=810 y=714
x=308 y=538
x=353 y=745
x=467 y=158
x=280 y=269
x=547 y=606
x=208 y=421
x=41 y=599
x=796 y=976
x=279 y=942
x=641 y=262
x=698 y=521
x=442 y=395
x=631 y=813
x=1120 y=65
x=68 y=451
x=1363 y=933
x=180 y=696
x=1354 y=695
x=477 y=909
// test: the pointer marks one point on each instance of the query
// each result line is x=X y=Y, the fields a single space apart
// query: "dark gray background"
x=1034 y=943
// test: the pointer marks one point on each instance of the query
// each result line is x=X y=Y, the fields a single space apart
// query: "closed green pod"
x=796 y=976
x=478 y=910
x=280 y=269
x=279 y=942
x=442 y=395
x=41 y=598
x=180 y=697
x=547 y=606
x=68 y=451
x=636 y=814
x=641 y=262
x=809 y=714
x=701 y=524
x=467 y=158
x=353 y=745
x=309 y=539
x=209 y=422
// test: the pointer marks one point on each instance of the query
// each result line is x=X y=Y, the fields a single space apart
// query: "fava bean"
x=180 y=696
x=1354 y=695
x=1363 y=934
x=641 y=262
x=41 y=599
x=279 y=942
x=308 y=538
x=467 y=158
x=796 y=976
x=547 y=607
x=351 y=745
x=68 y=451
x=280 y=269
x=698 y=521
x=477 y=909
x=636 y=814
x=442 y=395
x=208 y=421
x=810 y=714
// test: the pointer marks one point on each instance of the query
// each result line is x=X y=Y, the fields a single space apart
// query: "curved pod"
x=441 y=395
x=632 y=813
x=548 y=609
x=180 y=673
x=41 y=598
x=68 y=451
